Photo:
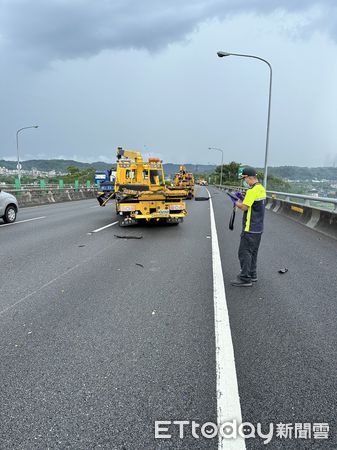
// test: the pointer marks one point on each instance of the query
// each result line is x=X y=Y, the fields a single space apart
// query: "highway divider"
x=317 y=213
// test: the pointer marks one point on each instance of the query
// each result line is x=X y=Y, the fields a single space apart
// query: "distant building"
x=3 y=171
x=313 y=192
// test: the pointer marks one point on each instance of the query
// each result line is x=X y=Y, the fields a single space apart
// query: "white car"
x=8 y=207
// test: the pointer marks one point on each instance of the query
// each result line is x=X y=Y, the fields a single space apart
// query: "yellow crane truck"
x=202 y=181
x=141 y=194
x=184 y=180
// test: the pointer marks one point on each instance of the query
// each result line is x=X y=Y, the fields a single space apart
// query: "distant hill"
x=289 y=172
x=304 y=173
x=61 y=165
x=171 y=169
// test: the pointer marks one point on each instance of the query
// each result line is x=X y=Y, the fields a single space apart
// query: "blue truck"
x=105 y=184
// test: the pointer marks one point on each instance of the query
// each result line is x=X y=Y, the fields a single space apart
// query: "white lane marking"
x=106 y=226
x=228 y=401
x=23 y=221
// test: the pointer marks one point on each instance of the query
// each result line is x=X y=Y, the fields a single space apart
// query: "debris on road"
x=284 y=270
x=140 y=265
x=127 y=236
x=201 y=199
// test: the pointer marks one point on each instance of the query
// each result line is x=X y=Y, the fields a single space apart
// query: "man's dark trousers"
x=249 y=247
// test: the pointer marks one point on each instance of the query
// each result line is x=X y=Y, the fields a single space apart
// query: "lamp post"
x=223 y=54
x=220 y=150
x=17 y=148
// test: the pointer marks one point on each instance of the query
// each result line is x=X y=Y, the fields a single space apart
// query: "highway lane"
x=284 y=328
x=103 y=347
x=34 y=252
x=91 y=359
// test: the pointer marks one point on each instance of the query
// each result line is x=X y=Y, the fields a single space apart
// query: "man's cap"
x=249 y=172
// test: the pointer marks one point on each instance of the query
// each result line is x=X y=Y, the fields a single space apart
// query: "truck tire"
x=121 y=221
x=10 y=214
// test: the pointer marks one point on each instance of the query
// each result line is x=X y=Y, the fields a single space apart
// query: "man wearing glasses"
x=253 y=207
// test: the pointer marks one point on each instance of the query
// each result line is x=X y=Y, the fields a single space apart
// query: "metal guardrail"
x=321 y=203
x=32 y=187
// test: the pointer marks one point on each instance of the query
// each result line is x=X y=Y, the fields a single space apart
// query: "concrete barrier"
x=317 y=219
x=44 y=197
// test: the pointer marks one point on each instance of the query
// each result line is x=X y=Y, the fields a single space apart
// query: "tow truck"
x=141 y=194
x=185 y=181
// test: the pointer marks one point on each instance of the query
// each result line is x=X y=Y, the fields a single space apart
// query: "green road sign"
x=42 y=184
x=240 y=170
x=61 y=184
x=76 y=185
x=17 y=183
x=88 y=184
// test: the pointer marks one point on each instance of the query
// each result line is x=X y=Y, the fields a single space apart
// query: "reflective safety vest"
x=255 y=199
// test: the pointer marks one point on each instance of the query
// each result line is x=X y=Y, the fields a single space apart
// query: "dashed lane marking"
x=106 y=226
x=22 y=221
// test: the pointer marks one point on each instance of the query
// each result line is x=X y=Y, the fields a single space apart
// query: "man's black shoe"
x=253 y=279
x=241 y=283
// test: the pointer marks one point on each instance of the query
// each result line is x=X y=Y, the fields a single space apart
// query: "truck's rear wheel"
x=172 y=222
x=126 y=221
x=121 y=222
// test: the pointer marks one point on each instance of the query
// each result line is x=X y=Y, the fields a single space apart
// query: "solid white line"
x=23 y=221
x=106 y=226
x=228 y=401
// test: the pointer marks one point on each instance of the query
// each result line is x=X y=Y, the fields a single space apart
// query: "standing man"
x=253 y=207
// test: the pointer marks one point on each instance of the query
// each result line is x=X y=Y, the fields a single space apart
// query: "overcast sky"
x=97 y=74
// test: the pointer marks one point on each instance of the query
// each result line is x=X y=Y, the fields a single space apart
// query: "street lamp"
x=17 y=148
x=220 y=150
x=223 y=54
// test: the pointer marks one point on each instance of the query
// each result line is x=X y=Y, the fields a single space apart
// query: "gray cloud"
x=44 y=31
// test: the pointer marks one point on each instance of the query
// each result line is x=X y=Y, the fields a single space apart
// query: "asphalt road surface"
x=102 y=336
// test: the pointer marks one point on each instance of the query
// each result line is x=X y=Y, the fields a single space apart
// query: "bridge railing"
x=321 y=203
x=319 y=213
x=47 y=187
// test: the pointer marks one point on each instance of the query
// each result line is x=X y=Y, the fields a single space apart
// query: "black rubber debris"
x=128 y=237
x=140 y=265
x=284 y=270
x=201 y=199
